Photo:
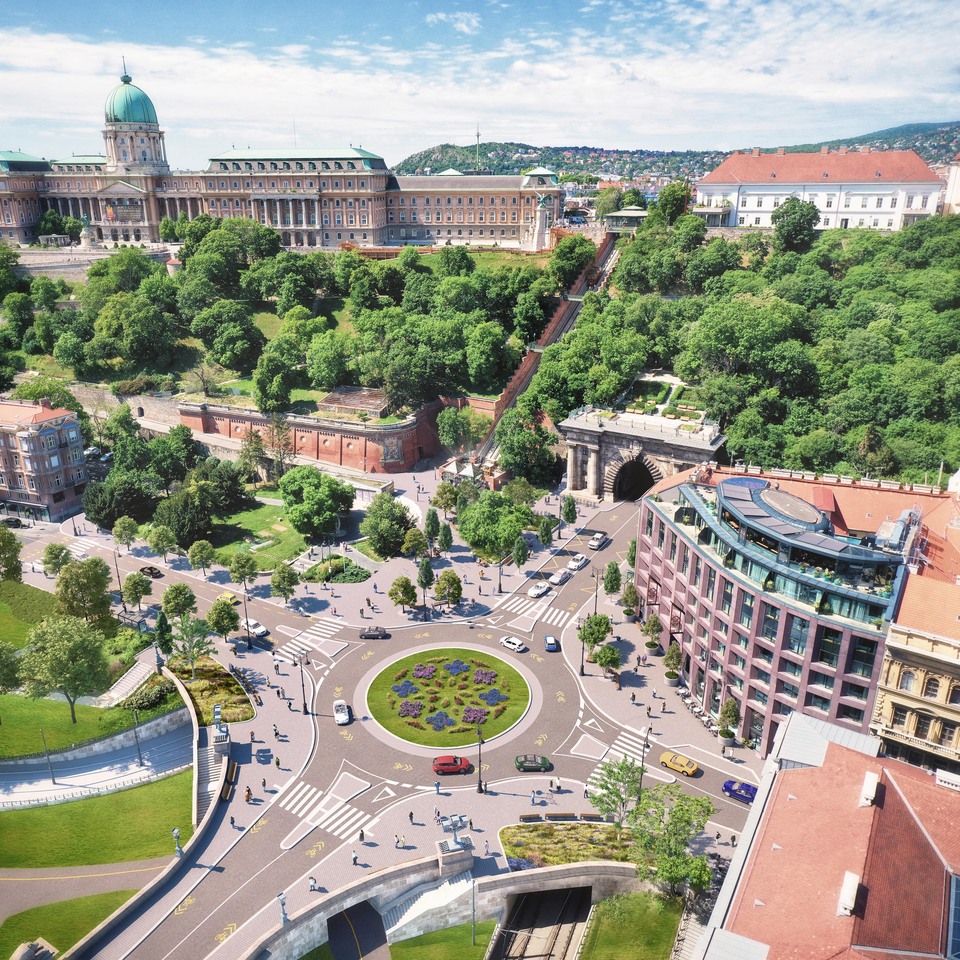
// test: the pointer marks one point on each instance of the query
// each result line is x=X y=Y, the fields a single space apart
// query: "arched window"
x=931 y=689
x=906 y=681
x=955 y=695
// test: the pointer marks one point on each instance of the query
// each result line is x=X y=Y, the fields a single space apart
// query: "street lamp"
x=282 y=900
x=646 y=744
x=479 y=759
x=246 y=617
x=303 y=692
x=176 y=839
x=136 y=736
x=116 y=566
x=159 y=661
x=582 y=644
x=46 y=752
x=595 y=573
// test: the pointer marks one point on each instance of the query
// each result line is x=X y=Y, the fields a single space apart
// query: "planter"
x=653 y=648
x=727 y=738
x=671 y=678
x=629 y=616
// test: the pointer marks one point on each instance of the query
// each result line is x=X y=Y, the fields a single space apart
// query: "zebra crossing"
x=626 y=745
x=534 y=610
x=324 y=810
x=78 y=549
x=317 y=638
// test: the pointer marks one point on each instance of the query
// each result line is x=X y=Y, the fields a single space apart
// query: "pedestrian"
x=551 y=785
x=276 y=732
x=396 y=840
x=559 y=788
x=663 y=706
x=648 y=712
x=368 y=602
x=643 y=659
x=362 y=614
x=586 y=792
x=436 y=813
x=361 y=836
x=723 y=751
x=733 y=839
x=233 y=822
x=654 y=693
x=289 y=706
x=263 y=784
x=233 y=649
x=354 y=856
x=479 y=589
x=633 y=698
x=278 y=693
x=252 y=736
x=313 y=884
x=411 y=818
x=486 y=848
x=718 y=836
x=248 y=795
x=282 y=694
x=436 y=787
x=403 y=842
x=374 y=588
x=276 y=667
x=485 y=787
x=470 y=823
x=533 y=797
x=276 y=760
x=334 y=611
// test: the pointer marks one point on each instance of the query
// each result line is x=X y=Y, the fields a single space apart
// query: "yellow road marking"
x=183 y=905
x=83 y=876
x=354 y=932
x=229 y=929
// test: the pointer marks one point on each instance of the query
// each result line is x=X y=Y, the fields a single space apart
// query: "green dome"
x=129 y=104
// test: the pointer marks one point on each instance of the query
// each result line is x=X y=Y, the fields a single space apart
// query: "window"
x=954 y=696
x=850 y=713
x=759 y=202
x=660 y=535
x=726 y=596
x=879 y=203
x=818 y=702
x=863 y=657
x=906 y=681
x=922 y=728
x=846 y=202
x=899 y=718
x=863 y=203
x=648 y=528
x=923 y=202
x=711 y=583
x=797 y=637
x=673 y=547
x=948 y=732
x=829 y=647
x=790 y=690
x=762 y=676
x=829 y=203
x=931 y=688
x=771 y=622
x=893 y=203
x=791 y=668
x=739 y=662
x=760 y=697
x=746 y=610
x=741 y=221
x=909 y=200
x=756 y=221
x=821 y=680
x=743 y=201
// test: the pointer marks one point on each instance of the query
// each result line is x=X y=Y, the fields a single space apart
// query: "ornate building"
x=313 y=197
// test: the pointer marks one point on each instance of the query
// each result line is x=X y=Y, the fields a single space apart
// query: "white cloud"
x=461 y=22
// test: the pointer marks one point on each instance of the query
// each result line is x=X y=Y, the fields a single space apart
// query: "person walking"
x=253 y=737
x=361 y=836
x=396 y=840
x=633 y=698
x=718 y=836
x=723 y=751
x=654 y=693
x=263 y=784
x=276 y=732
x=559 y=788
x=586 y=792
x=354 y=857
x=486 y=848
x=403 y=842
x=276 y=760
x=663 y=706
x=733 y=839
x=233 y=822
x=436 y=786
x=313 y=884
x=533 y=797
x=648 y=712
x=278 y=692
x=470 y=823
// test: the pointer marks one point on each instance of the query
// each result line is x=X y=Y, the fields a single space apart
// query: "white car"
x=254 y=627
x=539 y=589
x=341 y=712
x=512 y=643
x=598 y=540
x=560 y=577
x=578 y=562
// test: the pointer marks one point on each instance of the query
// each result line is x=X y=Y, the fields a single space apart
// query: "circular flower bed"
x=438 y=697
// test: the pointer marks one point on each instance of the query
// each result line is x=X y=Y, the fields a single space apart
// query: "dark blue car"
x=738 y=790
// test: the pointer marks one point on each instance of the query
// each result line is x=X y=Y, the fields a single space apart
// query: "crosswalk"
x=626 y=745
x=324 y=810
x=78 y=549
x=317 y=638
x=539 y=610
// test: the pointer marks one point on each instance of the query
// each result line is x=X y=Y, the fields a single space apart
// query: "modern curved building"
x=780 y=587
x=320 y=197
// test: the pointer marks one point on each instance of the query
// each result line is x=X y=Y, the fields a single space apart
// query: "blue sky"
x=396 y=77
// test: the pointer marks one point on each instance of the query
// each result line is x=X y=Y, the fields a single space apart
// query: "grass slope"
x=648 y=922
x=260 y=524
x=450 y=944
x=21 y=606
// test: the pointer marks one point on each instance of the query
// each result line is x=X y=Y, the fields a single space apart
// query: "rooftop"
x=26 y=412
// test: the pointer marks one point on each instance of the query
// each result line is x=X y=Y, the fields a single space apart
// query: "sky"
x=398 y=76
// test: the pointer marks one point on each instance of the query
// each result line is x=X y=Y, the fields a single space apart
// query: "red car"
x=451 y=765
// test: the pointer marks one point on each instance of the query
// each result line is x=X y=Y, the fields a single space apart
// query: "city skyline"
x=398 y=78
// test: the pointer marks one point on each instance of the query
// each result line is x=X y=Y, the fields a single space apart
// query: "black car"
x=373 y=633
x=11 y=521
x=154 y=573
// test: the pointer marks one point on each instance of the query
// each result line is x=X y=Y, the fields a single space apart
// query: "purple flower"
x=411 y=708
x=475 y=715
x=520 y=863
x=456 y=668
x=484 y=676
x=405 y=689
x=424 y=671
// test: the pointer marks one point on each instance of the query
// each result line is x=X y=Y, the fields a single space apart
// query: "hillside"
x=934 y=142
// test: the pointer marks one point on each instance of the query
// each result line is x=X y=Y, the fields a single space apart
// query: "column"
x=303 y=213
x=290 y=216
x=593 y=473
x=573 y=478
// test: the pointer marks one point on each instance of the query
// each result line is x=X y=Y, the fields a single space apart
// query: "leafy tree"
x=192 y=641
x=653 y=628
x=276 y=375
x=18 y=312
x=403 y=593
x=594 y=630
x=328 y=360
x=284 y=581
x=315 y=501
x=617 y=789
x=445 y=538
x=607 y=657
x=545 y=531
x=82 y=590
x=445 y=498
x=386 y=524
x=9 y=668
x=223 y=618
x=522 y=492
x=425 y=577
x=10 y=566
x=794 y=221
x=178 y=601
x=55 y=557
x=571 y=256
x=521 y=552
x=243 y=568
x=491 y=524
x=63 y=654
x=431 y=525
x=415 y=543
x=630 y=598
x=569 y=509
x=673 y=657
x=449 y=588
x=252 y=454
x=125 y=531
x=160 y=539
x=279 y=444
x=201 y=555
x=611 y=578
x=672 y=202
x=632 y=554
x=163 y=634
x=454 y=262
x=729 y=715
x=136 y=586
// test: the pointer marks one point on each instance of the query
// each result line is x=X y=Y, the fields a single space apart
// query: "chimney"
x=45 y=403
x=842 y=151
x=755 y=152
x=824 y=150
x=780 y=151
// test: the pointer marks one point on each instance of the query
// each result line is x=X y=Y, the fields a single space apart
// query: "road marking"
x=627 y=745
x=423 y=635
x=542 y=739
x=403 y=766
x=316 y=848
x=593 y=725
x=384 y=794
x=184 y=905
x=561 y=697
x=259 y=825
x=229 y=929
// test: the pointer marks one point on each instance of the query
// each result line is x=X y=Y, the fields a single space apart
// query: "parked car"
x=373 y=633
x=531 y=763
x=560 y=577
x=598 y=540
x=231 y=598
x=739 y=790
x=254 y=627
x=678 y=762
x=539 y=589
x=577 y=562
x=451 y=764
x=551 y=644
x=12 y=522
x=154 y=573
x=341 y=712
x=512 y=643
x=107 y=457
x=91 y=452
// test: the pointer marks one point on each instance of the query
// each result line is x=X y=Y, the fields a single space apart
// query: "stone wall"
x=99 y=401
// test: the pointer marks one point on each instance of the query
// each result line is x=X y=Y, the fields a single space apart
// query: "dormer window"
x=825 y=174
x=773 y=176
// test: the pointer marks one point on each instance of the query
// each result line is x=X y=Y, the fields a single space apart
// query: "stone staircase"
x=208 y=773
x=429 y=896
x=125 y=685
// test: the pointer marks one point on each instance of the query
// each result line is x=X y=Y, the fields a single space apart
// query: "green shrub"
x=150 y=695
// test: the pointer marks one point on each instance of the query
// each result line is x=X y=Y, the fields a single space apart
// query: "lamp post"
x=136 y=736
x=595 y=573
x=159 y=659
x=178 y=852
x=582 y=644
x=46 y=752
x=282 y=900
x=500 y=574
x=646 y=744
x=303 y=692
x=479 y=759
x=116 y=567
x=246 y=617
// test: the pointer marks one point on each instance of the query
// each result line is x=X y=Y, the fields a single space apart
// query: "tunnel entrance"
x=633 y=480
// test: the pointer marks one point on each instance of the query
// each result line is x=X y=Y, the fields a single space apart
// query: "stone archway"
x=630 y=479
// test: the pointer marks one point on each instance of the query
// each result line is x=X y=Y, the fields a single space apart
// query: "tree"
x=284 y=581
x=445 y=538
x=386 y=524
x=431 y=525
x=653 y=628
x=223 y=617
x=672 y=202
x=520 y=552
x=18 y=311
x=491 y=524
x=125 y=531
x=10 y=566
x=403 y=593
x=160 y=539
x=82 y=591
x=630 y=598
x=201 y=555
x=793 y=223
x=252 y=454
x=279 y=444
x=611 y=578
x=192 y=641
x=186 y=516
x=525 y=447
x=243 y=568
x=617 y=789
x=729 y=715
x=545 y=531
x=178 y=601
x=55 y=557
x=9 y=668
x=449 y=588
x=522 y=492
x=163 y=634
x=425 y=577
x=607 y=657
x=136 y=586
x=315 y=501
x=571 y=256
x=673 y=657
x=568 y=512
x=445 y=498
x=276 y=375
x=632 y=554
x=415 y=543
x=65 y=654
x=594 y=630
x=328 y=359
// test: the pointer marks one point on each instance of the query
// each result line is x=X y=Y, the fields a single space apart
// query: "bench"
x=529 y=817
x=561 y=816
x=226 y=791
x=232 y=771
x=592 y=817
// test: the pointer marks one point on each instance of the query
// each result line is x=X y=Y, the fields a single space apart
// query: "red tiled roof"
x=882 y=166
x=931 y=605
x=16 y=413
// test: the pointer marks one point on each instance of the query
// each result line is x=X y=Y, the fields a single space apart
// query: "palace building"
x=319 y=197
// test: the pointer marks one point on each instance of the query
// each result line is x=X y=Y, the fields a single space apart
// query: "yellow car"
x=231 y=598
x=677 y=761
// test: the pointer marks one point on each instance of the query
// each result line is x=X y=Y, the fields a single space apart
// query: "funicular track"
x=544 y=926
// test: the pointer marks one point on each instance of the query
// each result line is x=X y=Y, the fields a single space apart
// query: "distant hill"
x=934 y=142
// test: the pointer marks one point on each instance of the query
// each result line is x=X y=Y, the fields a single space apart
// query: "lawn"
x=435 y=700
x=496 y=259
x=130 y=825
x=267 y=320
x=21 y=606
x=338 y=310
x=214 y=685
x=60 y=924
x=22 y=719
x=264 y=524
x=549 y=844
x=366 y=548
x=647 y=921
x=450 y=944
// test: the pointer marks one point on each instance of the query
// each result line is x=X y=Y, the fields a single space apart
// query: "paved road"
x=358 y=934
